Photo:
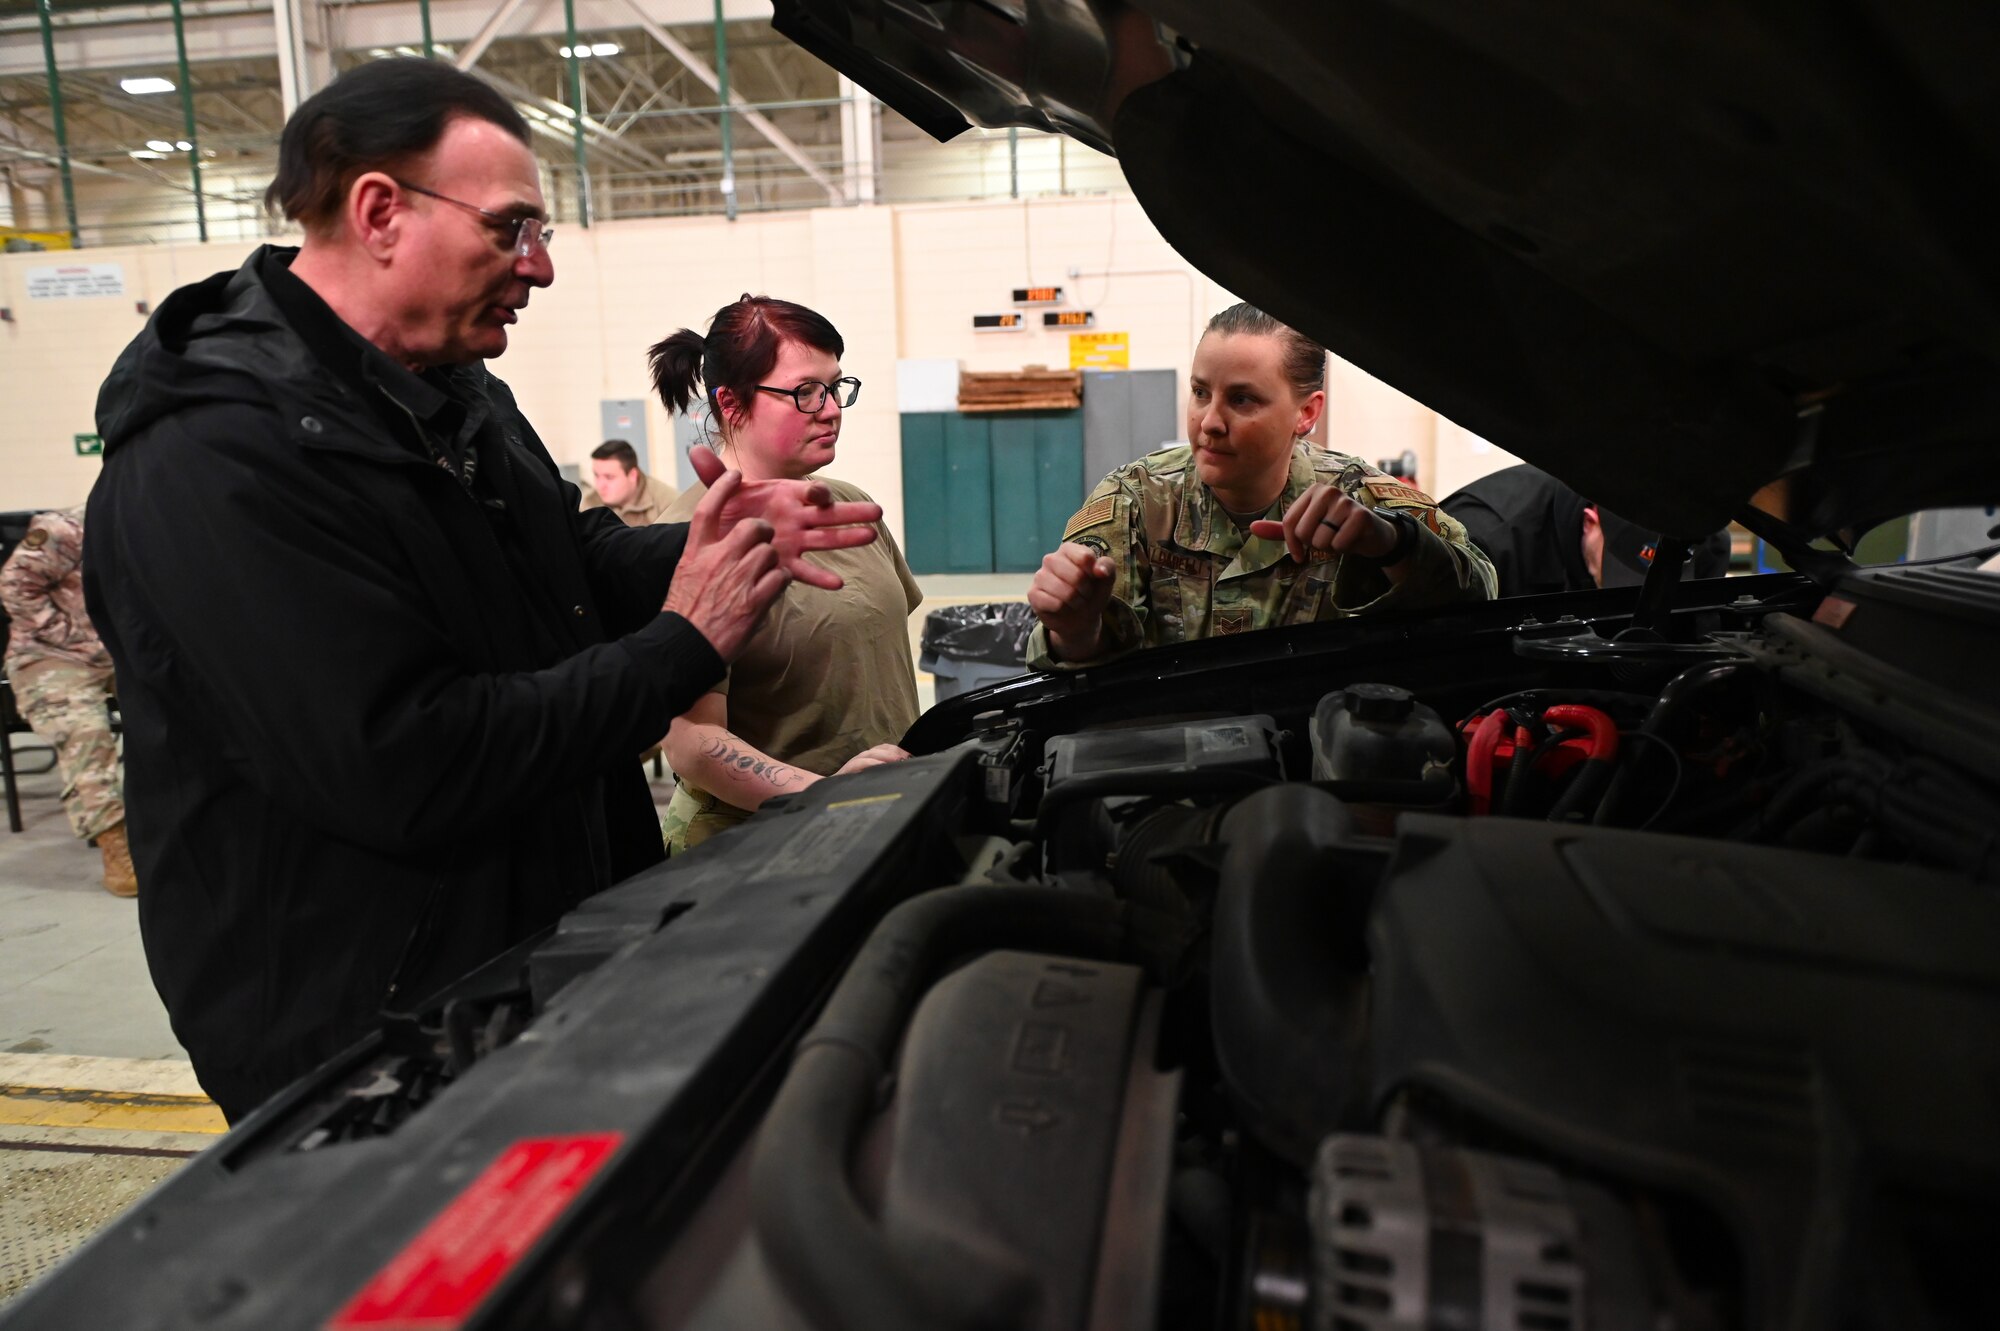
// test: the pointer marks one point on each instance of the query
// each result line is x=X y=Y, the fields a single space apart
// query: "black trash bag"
x=995 y=632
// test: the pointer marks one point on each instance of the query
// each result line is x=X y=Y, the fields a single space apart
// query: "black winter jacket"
x=368 y=745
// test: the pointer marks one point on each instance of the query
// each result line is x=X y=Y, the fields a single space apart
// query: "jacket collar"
x=415 y=400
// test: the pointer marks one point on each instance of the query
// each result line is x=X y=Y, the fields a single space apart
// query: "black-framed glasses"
x=810 y=396
x=529 y=232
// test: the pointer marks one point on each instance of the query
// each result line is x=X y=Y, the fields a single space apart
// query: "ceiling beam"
x=756 y=120
x=469 y=54
x=633 y=157
x=141 y=37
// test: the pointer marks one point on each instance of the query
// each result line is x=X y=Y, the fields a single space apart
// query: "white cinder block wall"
x=899 y=281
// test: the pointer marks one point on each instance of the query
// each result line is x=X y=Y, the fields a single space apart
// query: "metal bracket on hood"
x=1645 y=650
x=1823 y=567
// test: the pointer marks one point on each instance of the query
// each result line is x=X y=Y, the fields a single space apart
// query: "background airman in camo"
x=1246 y=526
x=61 y=677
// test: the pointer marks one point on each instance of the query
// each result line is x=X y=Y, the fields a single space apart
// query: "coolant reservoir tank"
x=1378 y=732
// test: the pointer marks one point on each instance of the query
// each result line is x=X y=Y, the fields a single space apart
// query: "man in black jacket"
x=1543 y=536
x=384 y=687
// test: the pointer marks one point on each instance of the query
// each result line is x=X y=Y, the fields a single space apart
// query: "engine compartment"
x=1521 y=971
x=1650 y=999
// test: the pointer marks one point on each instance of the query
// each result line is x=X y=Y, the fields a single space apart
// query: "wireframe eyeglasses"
x=528 y=233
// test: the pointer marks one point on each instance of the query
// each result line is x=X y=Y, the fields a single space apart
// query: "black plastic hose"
x=825 y=1249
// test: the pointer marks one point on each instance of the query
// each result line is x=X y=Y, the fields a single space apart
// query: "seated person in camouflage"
x=61 y=676
x=1246 y=526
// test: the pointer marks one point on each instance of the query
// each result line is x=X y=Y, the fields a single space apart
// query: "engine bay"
x=1532 y=972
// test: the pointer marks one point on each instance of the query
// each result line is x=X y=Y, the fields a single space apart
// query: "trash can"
x=967 y=647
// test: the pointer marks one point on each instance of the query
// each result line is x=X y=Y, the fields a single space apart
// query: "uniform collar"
x=1205 y=525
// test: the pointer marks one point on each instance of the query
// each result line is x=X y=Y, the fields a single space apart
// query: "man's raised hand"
x=725 y=583
x=801 y=515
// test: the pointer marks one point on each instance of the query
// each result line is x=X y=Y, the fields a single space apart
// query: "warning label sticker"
x=441 y=1277
x=829 y=836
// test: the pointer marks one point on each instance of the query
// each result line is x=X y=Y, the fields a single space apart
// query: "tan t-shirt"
x=828 y=674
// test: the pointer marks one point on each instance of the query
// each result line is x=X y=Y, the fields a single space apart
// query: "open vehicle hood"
x=1679 y=256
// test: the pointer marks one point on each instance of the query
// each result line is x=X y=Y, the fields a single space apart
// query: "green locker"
x=968 y=495
x=988 y=493
x=923 y=491
x=1037 y=484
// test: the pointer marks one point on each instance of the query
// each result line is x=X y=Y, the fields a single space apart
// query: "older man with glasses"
x=382 y=682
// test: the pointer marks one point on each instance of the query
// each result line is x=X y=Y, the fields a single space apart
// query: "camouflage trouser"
x=693 y=816
x=65 y=705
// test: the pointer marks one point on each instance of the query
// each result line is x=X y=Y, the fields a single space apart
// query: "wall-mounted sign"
x=1100 y=351
x=1068 y=318
x=89 y=446
x=74 y=281
x=1038 y=295
x=999 y=323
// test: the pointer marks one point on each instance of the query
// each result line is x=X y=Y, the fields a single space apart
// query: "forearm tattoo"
x=751 y=764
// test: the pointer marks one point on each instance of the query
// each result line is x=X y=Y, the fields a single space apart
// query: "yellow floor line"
x=74 y=1107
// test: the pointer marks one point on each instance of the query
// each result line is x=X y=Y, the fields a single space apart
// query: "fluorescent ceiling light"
x=605 y=48
x=145 y=154
x=581 y=52
x=183 y=145
x=140 y=87
x=159 y=145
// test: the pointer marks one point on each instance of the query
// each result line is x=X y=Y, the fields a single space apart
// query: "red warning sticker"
x=439 y=1279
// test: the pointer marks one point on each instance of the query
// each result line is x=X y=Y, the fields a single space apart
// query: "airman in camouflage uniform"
x=61 y=677
x=1185 y=569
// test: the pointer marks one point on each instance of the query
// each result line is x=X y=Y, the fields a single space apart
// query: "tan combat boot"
x=120 y=878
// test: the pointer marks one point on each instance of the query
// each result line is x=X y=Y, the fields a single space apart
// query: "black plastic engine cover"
x=1786 y=1037
x=1009 y=1102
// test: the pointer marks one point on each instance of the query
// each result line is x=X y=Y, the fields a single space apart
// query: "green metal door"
x=1037 y=484
x=988 y=493
x=924 y=522
x=968 y=495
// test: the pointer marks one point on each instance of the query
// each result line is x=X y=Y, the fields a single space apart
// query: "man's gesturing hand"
x=1326 y=517
x=801 y=514
x=724 y=584
x=1069 y=594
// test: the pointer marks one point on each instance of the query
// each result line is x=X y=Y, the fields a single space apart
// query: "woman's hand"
x=1326 y=517
x=1069 y=594
x=875 y=757
x=801 y=514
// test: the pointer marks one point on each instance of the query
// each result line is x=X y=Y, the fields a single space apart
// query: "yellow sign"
x=12 y=239
x=1100 y=351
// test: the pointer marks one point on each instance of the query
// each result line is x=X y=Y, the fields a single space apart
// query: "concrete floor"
x=97 y=1102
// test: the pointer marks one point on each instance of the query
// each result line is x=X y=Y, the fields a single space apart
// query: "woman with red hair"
x=826 y=685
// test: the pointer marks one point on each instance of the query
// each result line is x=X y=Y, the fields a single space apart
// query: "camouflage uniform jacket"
x=41 y=587
x=1186 y=570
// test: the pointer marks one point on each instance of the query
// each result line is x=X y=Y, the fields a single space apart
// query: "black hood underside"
x=1681 y=256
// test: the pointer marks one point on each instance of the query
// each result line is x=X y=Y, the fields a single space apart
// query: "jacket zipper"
x=417 y=946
